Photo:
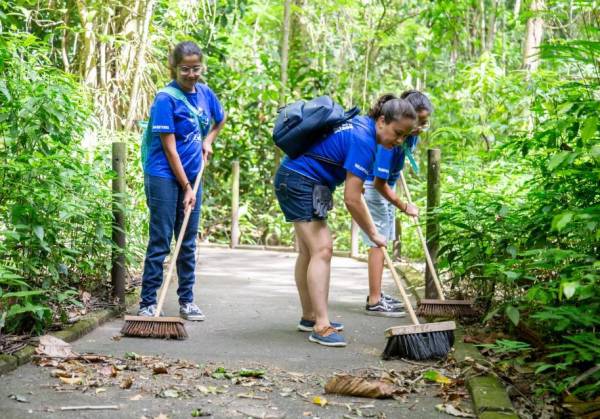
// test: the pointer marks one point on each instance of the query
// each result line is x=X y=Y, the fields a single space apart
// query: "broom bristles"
x=419 y=342
x=442 y=308
x=154 y=327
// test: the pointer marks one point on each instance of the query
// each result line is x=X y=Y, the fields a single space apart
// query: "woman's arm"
x=170 y=149
x=357 y=208
x=211 y=137
x=388 y=193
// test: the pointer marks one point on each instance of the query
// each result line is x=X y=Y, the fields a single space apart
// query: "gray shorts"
x=383 y=213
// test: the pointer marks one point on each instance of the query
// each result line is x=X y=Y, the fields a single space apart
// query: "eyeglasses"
x=424 y=126
x=187 y=70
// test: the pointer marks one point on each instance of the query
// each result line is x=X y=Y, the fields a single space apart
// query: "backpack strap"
x=408 y=153
x=198 y=113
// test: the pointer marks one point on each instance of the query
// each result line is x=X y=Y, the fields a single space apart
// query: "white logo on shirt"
x=362 y=169
x=381 y=169
x=160 y=127
x=344 y=127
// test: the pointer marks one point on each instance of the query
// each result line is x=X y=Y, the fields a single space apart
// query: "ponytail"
x=419 y=101
x=392 y=108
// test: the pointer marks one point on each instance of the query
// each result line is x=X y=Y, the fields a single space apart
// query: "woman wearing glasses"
x=185 y=119
x=383 y=201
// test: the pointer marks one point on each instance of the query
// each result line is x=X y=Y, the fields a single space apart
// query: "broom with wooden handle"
x=417 y=341
x=156 y=326
x=440 y=307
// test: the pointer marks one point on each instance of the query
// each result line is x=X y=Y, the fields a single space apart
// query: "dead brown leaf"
x=160 y=368
x=54 y=348
x=74 y=380
x=350 y=385
x=126 y=383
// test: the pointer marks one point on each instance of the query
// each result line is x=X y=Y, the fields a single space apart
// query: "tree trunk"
x=491 y=35
x=533 y=37
x=139 y=64
x=517 y=8
x=482 y=24
x=285 y=48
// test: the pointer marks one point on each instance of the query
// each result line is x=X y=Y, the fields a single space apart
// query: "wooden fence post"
x=235 y=204
x=432 y=227
x=117 y=272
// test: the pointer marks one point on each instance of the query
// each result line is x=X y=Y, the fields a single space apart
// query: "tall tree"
x=285 y=48
x=533 y=36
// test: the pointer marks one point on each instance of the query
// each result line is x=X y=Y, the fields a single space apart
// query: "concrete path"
x=252 y=309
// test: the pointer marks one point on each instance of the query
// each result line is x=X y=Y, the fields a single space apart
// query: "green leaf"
x=39 y=232
x=21 y=294
x=513 y=314
x=557 y=159
x=569 y=288
x=589 y=128
x=561 y=220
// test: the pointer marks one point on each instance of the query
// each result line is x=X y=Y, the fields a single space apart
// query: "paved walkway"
x=252 y=309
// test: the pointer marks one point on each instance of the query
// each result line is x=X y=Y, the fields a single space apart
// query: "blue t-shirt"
x=351 y=147
x=389 y=163
x=170 y=115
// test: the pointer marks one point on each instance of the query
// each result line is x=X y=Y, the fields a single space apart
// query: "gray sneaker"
x=148 y=311
x=391 y=301
x=191 y=311
x=383 y=309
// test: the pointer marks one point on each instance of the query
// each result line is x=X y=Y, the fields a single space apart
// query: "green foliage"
x=526 y=239
x=53 y=214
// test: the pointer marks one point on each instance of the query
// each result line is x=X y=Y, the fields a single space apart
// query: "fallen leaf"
x=100 y=390
x=54 y=347
x=161 y=416
x=169 y=394
x=136 y=397
x=307 y=414
x=94 y=358
x=454 y=411
x=160 y=368
x=116 y=338
x=132 y=355
x=74 y=380
x=251 y=373
x=59 y=373
x=126 y=383
x=19 y=398
x=350 y=385
x=320 y=401
x=108 y=371
x=196 y=413
x=433 y=375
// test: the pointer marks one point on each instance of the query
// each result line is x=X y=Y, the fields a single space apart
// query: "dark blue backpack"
x=301 y=124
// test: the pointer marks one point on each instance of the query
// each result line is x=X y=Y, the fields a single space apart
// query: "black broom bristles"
x=417 y=343
x=163 y=328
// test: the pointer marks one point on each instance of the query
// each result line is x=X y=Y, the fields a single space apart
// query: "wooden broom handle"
x=407 y=304
x=173 y=261
x=415 y=219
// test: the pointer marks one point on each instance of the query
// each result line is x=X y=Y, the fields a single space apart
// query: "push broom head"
x=154 y=327
x=420 y=341
x=446 y=308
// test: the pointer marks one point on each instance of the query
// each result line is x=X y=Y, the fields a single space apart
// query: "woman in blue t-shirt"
x=181 y=143
x=304 y=188
x=383 y=201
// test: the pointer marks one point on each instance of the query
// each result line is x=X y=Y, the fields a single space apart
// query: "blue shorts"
x=295 y=195
x=383 y=213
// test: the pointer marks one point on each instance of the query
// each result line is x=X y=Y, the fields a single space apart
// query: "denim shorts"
x=295 y=195
x=383 y=213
